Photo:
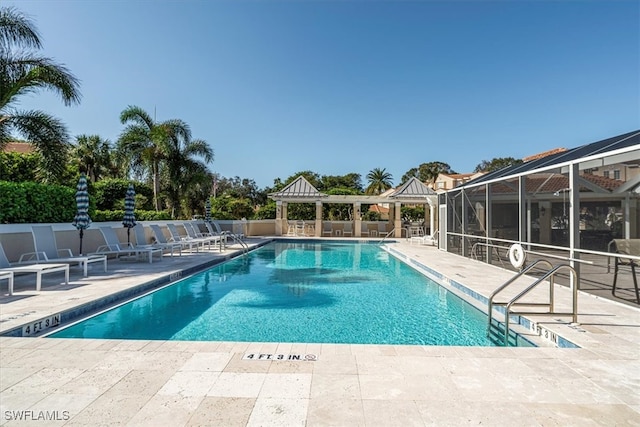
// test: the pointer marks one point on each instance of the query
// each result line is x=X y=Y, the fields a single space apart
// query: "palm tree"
x=23 y=72
x=93 y=155
x=146 y=143
x=183 y=169
x=379 y=181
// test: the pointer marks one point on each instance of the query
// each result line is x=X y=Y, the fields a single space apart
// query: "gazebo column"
x=285 y=218
x=397 y=223
x=318 y=229
x=278 y=217
x=358 y=219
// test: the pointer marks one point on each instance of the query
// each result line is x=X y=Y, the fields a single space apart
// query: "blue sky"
x=338 y=87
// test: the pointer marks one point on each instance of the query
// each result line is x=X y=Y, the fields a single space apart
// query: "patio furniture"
x=347 y=229
x=39 y=269
x=185 y=240
x=194 y=234
x=115 y=247
x=626 y=247
x=327 y=228
x=46 y=251
x=429 y=240
x=161 y=241
x=141 y=241
x=364 y=229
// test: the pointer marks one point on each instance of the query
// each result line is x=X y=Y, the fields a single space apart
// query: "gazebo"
x=413 y=192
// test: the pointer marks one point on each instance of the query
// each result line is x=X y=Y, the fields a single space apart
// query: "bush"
x=29 y=202
x=141 y=215
x=110 y=192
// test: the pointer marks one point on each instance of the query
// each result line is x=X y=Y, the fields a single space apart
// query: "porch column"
x=285 y=216
x=318 y=218
x=397 y=224
x=358 y=219
x=278 y=217
x=432 y=217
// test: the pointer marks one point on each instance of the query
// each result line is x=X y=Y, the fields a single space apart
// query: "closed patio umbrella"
x=129 y=219
x=82 y=221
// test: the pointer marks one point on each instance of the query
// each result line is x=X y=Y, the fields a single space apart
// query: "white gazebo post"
x=358 y=218
x=318 y=229
x=278 y=218
x=432 y=217
x=397 y=224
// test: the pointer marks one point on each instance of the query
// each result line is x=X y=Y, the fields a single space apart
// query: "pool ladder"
x=494 y=329
x=242 y=243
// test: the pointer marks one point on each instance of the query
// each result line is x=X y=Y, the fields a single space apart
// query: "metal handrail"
x=385 y=237
x=549 y=274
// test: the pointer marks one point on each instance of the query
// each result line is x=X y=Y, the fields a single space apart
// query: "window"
x=616 y=174
x=606 y=174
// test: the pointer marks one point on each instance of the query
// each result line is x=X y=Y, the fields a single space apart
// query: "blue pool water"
x=298 y=292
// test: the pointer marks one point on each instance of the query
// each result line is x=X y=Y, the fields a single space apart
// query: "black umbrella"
x=129 y=219
x=82 y=221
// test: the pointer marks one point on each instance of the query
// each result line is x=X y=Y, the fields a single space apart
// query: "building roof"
x=19 y=147
x=543 y=154
x=624 y=143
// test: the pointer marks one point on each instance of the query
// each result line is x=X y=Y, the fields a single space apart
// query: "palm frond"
x=17 y=29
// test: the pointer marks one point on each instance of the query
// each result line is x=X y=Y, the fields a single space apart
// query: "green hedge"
x=117 y=215
x=29 y=202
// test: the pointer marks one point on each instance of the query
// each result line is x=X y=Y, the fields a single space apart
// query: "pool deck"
x=91 y=382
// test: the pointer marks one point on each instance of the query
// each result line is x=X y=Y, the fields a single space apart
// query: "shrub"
x=30 y=202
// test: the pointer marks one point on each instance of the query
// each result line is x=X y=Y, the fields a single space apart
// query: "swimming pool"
x=328 y=292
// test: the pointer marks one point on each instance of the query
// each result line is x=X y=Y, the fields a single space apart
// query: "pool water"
x=306 y=292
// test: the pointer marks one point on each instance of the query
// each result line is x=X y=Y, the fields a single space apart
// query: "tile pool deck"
x=89 y=382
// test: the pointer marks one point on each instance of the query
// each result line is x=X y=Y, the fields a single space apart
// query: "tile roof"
x=18 y=147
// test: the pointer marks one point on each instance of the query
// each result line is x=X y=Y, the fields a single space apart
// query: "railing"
x=385 y=237
x=514 y=301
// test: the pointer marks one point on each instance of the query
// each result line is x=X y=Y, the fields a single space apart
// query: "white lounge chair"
x=39 y=269
x=46 y=251
x=184 y=239
x=382 y=228
x=196 y=234
x=163 y=242
x=215 y=230
x=347 y=229
x=114 y=246
x=429 y=240
x=141 y=241
x=364 y=229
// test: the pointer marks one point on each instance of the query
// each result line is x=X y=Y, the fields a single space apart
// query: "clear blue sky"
x=338 y=87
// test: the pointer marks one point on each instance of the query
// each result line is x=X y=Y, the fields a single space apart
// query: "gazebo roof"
x=414 y=188
x=300 y=188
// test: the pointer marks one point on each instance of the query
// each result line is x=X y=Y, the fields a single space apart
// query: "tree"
x=497 y=163
x=427 y=172
x=379 y=181
x=145 y=143
x=182 y=169
x=22 y=72
x=93 y=155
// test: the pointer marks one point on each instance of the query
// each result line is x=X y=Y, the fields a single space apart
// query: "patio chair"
x=114 y=246
x=626 y=247
x=215 y=230
x=382 y=228
x=161 y=241
x=141 y=241
x=327 y=228
x=427 y=239
x=196 y=234
x=47 y=252
x=185 y=240
x=7 y=270
x=347 y=229
x=364 y=229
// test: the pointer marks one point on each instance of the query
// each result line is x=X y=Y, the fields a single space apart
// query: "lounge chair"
x=141 y=241
x=40 y=269
x=196 y=234
x=215 y=230
x=46 y=251
x=626 y=247
x=185 y=240
x=364 y=229
x=114 y=246
x=327 y=228
x=429 y=240
x=161 y=240
x=382 y=228
x=347 y=229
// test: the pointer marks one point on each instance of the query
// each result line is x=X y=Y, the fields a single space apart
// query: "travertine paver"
x=128 y=382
